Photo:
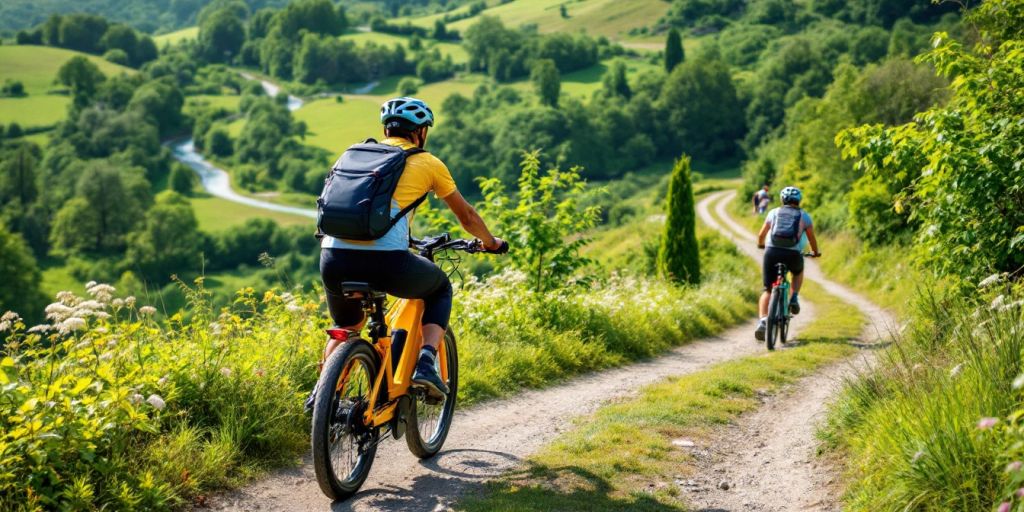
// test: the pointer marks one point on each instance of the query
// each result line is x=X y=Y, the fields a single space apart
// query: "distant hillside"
x=145 y=15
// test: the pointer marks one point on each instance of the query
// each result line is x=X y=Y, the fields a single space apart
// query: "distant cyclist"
x=386 y=263
x=761 y=199
x=786 y=232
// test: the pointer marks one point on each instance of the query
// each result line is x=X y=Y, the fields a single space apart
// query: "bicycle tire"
x=326 y=423
x=783 y=321
x=427 y=448
x=772 y=328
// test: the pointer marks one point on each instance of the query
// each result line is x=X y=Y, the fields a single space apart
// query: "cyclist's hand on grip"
x=498 y=246
x=760 y=246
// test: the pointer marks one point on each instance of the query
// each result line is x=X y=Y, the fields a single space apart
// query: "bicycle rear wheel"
x=772 y=329
x=343 y=446
x=427 y=427
x=783 y=317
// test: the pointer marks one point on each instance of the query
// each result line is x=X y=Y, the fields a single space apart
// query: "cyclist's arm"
x=763 y=233
x=812 y=239
x=471 y=220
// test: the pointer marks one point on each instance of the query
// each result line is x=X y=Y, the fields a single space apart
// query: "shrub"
x=408 y=86
x=678 y=256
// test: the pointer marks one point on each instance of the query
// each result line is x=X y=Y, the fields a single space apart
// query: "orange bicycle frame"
x=405 y=314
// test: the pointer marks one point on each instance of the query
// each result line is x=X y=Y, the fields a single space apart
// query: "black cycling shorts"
x=794 y=260
x=399 y=273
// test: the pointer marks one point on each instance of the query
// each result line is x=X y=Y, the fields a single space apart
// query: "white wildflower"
x=225 y=372
x=216 y=328
x=4 y=325
x=10 y=316
x=67 y=298
x=72 y=324
x=157 y=402
x=117 y=303
x=129 y=301
x=1018 y=382
x=162 y=382
x=106 y=356
x=40 y=328
x=998 y=302
x=990 y=280
x=102 y=292
x=917 y=456
x=90 y=284
x=293 y=308
x=1012 y=305
x=88 y=306
x=58 y=312
x=101 y=315
x=287 y=297
x=136 y=398
x=956 y=370
x=112 y=342
x=147 y=310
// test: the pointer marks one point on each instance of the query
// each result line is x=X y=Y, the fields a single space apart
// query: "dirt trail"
x=768 y=459
x=492 y=438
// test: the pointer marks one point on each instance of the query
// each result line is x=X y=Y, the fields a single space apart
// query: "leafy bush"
x=678 y=256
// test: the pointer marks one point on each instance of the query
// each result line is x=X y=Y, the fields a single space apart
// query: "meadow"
x=36 y=67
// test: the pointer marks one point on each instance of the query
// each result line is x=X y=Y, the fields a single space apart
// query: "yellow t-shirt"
x=424 y=173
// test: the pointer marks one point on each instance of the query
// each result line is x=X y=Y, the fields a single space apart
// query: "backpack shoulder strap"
x=404 y=211
x=414 y=151
x=370 y=140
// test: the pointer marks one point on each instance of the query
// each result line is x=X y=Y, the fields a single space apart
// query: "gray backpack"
x=788 y=227
x=355 y=203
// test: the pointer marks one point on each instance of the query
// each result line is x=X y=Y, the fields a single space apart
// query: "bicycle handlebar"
x=804 y=254
x=444 y=242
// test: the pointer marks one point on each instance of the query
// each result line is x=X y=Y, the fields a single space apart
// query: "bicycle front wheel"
x=772 y=329
x=343 y=446
x=427 y=428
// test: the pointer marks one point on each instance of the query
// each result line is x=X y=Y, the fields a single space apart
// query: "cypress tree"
x=679 y=255
x=674 y=53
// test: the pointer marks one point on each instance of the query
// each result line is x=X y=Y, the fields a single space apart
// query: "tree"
x=168 y=241
x=82 y=76
x=408 y=86
x=679 y=254
x=674 y=53
x=615 y=82
x=219 y=142
x=181 y=179
x=18 y=176
x=221 y=36
x=105 y=208
x=160 y=102
x=702 y=110
x=563 y=11
x=546 y=81
x=82 y=32
x=316 y=16
x=440 y=31
x=21 y=290
x=121 y=37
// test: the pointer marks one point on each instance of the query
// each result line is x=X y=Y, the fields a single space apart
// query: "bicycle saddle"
x=358 y=290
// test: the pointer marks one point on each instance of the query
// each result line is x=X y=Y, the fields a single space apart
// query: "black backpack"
x=786 y=230
x=356 y=201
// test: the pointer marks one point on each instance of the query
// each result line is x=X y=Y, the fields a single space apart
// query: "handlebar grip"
x=502 y=249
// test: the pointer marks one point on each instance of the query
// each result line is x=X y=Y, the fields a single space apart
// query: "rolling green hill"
x=611 y=18
x=36 y=67
x=176 y=37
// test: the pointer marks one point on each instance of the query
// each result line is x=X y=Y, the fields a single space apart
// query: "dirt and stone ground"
x=766 y=462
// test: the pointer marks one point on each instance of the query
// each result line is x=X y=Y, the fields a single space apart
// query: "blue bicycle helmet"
x=410 y=110
x=791 y=195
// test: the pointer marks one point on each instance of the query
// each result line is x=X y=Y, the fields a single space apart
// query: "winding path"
x=217 y=181
x=491 y=438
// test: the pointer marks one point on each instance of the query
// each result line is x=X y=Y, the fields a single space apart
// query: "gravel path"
x=491 y=438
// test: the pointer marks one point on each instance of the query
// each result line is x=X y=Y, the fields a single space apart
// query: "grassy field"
x=334 y=125
x=622 y=457
x=610 y=18
x=227 y=101
x=172 y=38
x=36 y=67
x=215 y=214
x=456 y=50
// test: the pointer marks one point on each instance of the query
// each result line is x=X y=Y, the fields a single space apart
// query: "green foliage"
x=117 y=56
x=702 y=108
x=221 y=36
x=219 y=142
x=408 y=86
x=543 y=223
x=614 y=82
x=168 y=240
x=82 y=76
x=957 y=169
x=21 y=290
x=181 y=180
x=912 y=427
x=106 y=408
x=546 y=81
x=505 y=54
x=108 y=203
x=13 y=89
x=674 y=54
x=679 y=256
x=314 y=16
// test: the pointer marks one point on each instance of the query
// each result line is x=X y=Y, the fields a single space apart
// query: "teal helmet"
x=406 y=111
x=791 y=195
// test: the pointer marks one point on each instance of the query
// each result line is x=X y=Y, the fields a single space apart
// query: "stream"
x=217 y=181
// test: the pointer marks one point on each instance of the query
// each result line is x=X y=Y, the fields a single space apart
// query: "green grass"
x=622 y=457
x=173 y=38
x=610 y=18
x=215 y=214
x=226 y=101
x=457 y=52
x=36 y=67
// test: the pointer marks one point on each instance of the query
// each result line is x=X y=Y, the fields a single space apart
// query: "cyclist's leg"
x=346 y=313
x=771 y=257
x=796 y=266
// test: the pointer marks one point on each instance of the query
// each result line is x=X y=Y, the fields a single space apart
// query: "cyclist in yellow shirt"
x=386 y=263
